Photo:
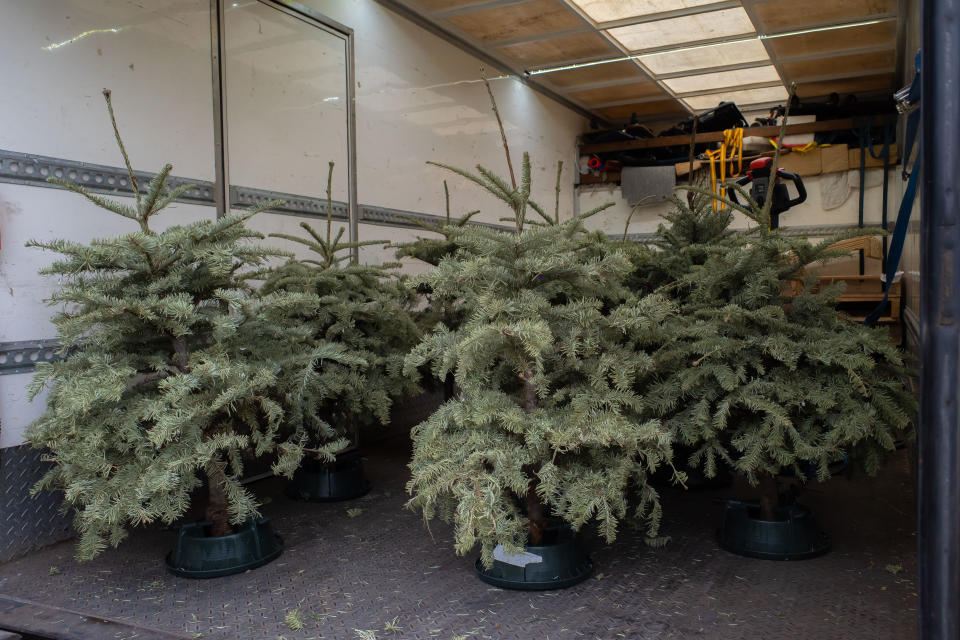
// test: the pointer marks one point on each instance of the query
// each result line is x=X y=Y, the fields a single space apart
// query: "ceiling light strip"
x=704 y=44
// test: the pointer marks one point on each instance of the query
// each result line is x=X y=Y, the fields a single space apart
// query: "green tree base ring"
x=197 y=556
x=793 y=536
x=563 y=564
x=336 y=481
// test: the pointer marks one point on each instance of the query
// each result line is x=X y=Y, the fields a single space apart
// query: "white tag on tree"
x=516 y=559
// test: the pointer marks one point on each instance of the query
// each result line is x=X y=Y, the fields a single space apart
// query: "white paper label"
x=516 y=559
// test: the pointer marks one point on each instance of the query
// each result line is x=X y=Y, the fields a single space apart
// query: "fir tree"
x=364 y=308
x=545 y=361
x=170 y=368
x=761 y=379
x=694 y=229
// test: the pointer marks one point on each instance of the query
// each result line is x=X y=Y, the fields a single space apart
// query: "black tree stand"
x=793 y=535
x=559 y=563
x=196 y=555
x=317 y=481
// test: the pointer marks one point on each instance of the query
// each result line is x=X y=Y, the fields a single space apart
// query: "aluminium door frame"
x=217 y=59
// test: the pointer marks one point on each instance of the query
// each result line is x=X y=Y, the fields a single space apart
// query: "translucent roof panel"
x=742 y=97
x=677 y=31
x=722 y=79
x=714 y=55
x=607 y=10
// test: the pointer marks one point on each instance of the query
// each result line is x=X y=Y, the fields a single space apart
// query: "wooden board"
x=668 y=108
x=834 y=158
x=859 y=63
x=803 y=164
x=558 y=51
x=820 y=42
x=790 y=15
x=625 y=70
x=532 y=18
x=629 y=91
x=442 y=5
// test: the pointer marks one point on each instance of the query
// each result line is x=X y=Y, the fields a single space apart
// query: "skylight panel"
x=741 y=97
x=723 y=79
x=607 y=10
x=727 y=23
x=704 y=57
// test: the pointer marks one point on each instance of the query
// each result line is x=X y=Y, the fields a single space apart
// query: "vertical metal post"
x=353 y=212
x=939 y=442
x=218 y=64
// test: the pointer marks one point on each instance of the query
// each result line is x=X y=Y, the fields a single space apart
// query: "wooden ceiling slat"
x=441 y=5
x=625 y=70
x=881 y=82
x=666 y=108
x=818 y=42
x=864 y=63
x=557 y=51
x=788 y=15
x=518 y=20
x=634 y=90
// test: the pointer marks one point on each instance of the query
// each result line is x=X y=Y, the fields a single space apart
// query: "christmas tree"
x=765 y=375
x=437 y=308
x=545 y=361
x=169 y=368
x=364 y=308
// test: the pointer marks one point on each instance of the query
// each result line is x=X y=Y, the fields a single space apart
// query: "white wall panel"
x=286 y=97
x=58 y=55
x=33 y=213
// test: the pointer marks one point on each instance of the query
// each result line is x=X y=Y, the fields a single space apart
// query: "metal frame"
x=938 y=539
x=22 y=356
x=218 y=68
x=221 y=133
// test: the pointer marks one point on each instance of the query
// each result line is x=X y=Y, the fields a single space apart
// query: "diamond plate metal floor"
x=379 y=574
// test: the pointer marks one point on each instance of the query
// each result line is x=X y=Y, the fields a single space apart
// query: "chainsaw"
x=758 y=177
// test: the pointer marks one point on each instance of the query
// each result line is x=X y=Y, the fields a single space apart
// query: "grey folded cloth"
x=638 y=183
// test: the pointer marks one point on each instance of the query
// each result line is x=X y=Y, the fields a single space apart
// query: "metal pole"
x=218 y=64
x=353 y=213
x=939 y=445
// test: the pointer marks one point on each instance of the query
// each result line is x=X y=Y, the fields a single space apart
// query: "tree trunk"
x=448 y=387
x=769 y=497
x=536 y=515
x=217 y=512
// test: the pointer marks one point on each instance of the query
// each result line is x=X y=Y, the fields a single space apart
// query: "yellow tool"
x=731 y=148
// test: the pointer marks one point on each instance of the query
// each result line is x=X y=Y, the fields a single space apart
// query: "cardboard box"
x=854 y=156
x=804 y=164
x=834 y=158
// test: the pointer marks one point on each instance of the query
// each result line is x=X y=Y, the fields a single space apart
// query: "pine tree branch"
x=123 y=150
x=503 y=135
